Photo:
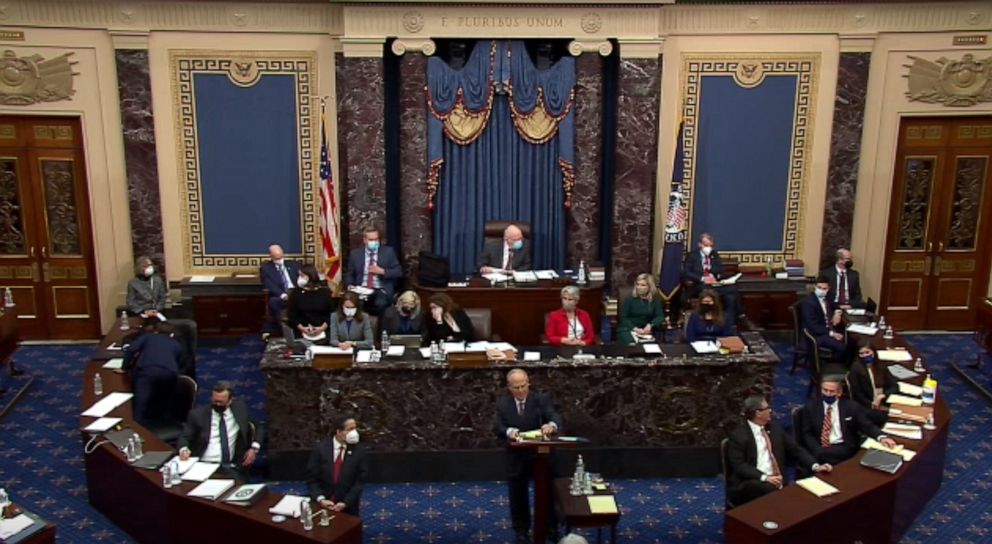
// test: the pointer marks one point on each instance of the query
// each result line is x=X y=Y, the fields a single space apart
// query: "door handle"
x=940 y=246
x=34 y=273
x=31 y=252
x=936 y=266
x=927 y=261
x=44 y=251
x=46 y=272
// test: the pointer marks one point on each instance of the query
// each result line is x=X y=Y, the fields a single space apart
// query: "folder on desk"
x=895 y=398
x=817 y=486
x=910 y=389
x=211 y=489
x=910 y=413
x=882 y=460
x=895 y=355
x=602 y=504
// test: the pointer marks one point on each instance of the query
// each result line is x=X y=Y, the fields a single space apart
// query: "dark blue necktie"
x=225 y=448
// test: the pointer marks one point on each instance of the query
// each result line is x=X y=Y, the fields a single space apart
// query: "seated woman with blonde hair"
x=641 y=313
x=570 y=325
x=404 y=317
x=707 y=321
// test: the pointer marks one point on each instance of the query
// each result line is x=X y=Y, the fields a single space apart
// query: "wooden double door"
x=46 y=242
x=940 y=224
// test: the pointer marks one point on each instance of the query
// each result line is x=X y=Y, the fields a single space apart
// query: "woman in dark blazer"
x=447 y=322
x=350 y=326
x=868 y=387
x=708 y=322
x=405 y=317
x=309 y=307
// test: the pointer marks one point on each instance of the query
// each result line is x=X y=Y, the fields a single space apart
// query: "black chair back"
x=725 y=467
x=183 y=398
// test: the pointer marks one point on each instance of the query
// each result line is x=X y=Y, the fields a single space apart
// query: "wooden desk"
x=872 y=506
x=42 y=532
x=575 y=511
x=767 y=300
x=135 y=500
x=518 y=312
x=226 y=306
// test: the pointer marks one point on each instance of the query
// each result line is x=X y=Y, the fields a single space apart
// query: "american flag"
x=330 y=232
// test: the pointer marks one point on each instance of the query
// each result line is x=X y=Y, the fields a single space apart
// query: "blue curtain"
x=496 y=173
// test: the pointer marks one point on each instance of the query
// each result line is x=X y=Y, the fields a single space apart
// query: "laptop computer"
x=408 y=340
x=153 y=459
x=298 y=346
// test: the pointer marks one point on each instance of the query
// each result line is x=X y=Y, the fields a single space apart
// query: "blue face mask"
x=868 y=359
x=821 y=293
x=373 y=245
x=517 y=245
x=829 y=400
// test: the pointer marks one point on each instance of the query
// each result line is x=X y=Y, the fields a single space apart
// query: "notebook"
x=882 y=460
x=152 y=460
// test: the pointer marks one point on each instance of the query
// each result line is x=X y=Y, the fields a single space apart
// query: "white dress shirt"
x=764 y=464
x=212 y=453
x=506 y=256
x=575 y=328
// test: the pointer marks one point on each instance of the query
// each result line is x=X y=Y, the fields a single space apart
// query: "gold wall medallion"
x=30 y=80
x=243 y=72
x=955 y=83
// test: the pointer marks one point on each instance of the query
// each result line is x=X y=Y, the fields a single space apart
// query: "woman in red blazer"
x=571 y=325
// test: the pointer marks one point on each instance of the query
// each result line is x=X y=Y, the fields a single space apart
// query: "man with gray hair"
x=845 y=284
x=757 y=452
x=510 y=253
x=572 y=538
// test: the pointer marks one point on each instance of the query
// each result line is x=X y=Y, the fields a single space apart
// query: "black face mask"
x=707 y=308
x=406 y=311
x=219 y=409
x=849 y=264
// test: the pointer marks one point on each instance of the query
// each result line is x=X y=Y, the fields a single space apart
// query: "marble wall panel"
x=141 y=162
x=361 y=146
x=584 y=216
x=415 y=218
x=845 y=152
x=636 y=168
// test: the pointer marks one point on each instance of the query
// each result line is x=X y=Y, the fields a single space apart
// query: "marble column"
x=141 y=162
x=584 y=216
x=845 y=152
x=415 y=218
x=636 y=167
x=361 y=146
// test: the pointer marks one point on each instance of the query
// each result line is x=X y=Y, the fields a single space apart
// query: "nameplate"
x=331 y=362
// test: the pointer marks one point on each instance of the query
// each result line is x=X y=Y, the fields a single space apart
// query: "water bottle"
x=177 y=477
x=385 y=341
x=139 y=450
x=325 y=520
x=889 y=333
x=929 y=390
x=4 y=500
x=918 y=365
x=97 y=384
x=124 y=324
x=881 y=322
x=129 y=450
x=434 y=353
x=305 y=514
x=8 y=298
x=582 y=272
x=167 y=476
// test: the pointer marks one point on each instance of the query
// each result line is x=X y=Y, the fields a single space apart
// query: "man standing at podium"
x=512 y=253
x=519 y=411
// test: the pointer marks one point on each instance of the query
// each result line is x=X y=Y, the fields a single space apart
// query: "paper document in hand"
x=102 y=424
x=912 y=432
x=361 y=290
x=910 y=389
x=211 y=489
x=107 y=404
x=201 y=471
x=866 y=330
x=395 y=351
x=288 y=506
x=705 y=346
x=894 y=355
x=903 y=399
x=602 y=504
x=651 y=348
x=817 y=486
x=14 y=525
x=114 y=364
x=731 y=280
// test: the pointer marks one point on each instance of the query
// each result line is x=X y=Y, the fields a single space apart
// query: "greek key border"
x=183 y=66
x=806 y=68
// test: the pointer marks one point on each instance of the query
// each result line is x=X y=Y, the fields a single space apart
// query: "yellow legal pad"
x=602 y=504
x=817 y=486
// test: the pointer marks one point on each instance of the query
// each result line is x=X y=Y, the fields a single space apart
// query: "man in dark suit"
x=338 y=467
x=278 y=277
x=822 y=319
x=832 y=427
x=845 y=284
x=374 y=266
x=221 y=432
x=703 y=269
x=757 y=452
x=510 y=253
x=517 y=412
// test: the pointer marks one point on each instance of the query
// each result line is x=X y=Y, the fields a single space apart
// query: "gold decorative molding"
x=31 y=80
x=426 y=46
x=363 y=47
x=956 y=83
x=603 y=47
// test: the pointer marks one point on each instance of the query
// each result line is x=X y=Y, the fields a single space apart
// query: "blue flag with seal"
x=676 y=224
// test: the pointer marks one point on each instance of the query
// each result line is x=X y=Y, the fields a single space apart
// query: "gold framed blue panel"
x=243 y=69
x=749 y=71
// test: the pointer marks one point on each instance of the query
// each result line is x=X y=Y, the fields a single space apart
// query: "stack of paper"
x=911 y=413
x=524 y=276
x=705 y=346
x=872 y=444
x=894 y=355
x=496 y=277
x=288 y=506
x=453 y=347
x=856 y=311
x=602 y=504
x=201 y=279
x=328 y=350
x=546 y=274
x=902 y=373
x=101 y=425
x=532 y=356
x=200 y=471
x=395 y=351
x=211 y=489
x=912 y=432
x=910 y=389
x=14 y=525
x=107 y=404
x=902 y=399
x=817 y=486
x=651 y=348
x=425 y=353
x=114 y=364
x=859 y=328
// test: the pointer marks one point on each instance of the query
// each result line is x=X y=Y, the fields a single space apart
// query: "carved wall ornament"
x=604 y=47
x=243 y=72
x=959 y=83
x=591 y=23
x=30 y=80
x=426 y=46
x=413 y=21
x=749 y=74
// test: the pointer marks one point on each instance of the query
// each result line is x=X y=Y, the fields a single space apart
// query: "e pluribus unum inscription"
x=485 y=21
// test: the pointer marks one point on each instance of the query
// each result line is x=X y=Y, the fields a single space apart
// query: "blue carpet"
x=41 y=463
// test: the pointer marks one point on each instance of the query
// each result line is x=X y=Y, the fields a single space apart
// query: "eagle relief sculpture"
x=29 y=80
x=964 y=82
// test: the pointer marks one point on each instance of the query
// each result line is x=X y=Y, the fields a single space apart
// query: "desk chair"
x=493 y=229
x=183 y=400
x=725 y=465
x=482 y=322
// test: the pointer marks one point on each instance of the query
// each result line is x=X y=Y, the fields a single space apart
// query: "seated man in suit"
x=278 y=277
x=518 y=411
x=512 y=253
x=756 y=454
x=825 y=322
x=338 y=467
x=374 y=266
x=221 y=432
x=845 y=284
x=703 y=269
x=832 y=427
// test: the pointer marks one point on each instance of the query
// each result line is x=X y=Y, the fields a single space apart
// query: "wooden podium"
x=542 y=478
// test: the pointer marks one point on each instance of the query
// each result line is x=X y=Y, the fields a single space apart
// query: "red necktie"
x=771 y=454
x=338 y=463
x=842 y=289
x=370 y=282
x=827 y=426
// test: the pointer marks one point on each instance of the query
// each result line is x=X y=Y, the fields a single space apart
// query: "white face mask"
x=351 y=437
x=707 y=250
x=350 y=312
x=302 y=282
x=149 y=270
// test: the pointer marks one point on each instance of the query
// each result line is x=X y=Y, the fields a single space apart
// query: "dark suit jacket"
x=351 y=480
x=272 y=279
x=854 y=423
x=692 y=268
x=443 y=333
x=813 y=319
x=861 y=390
x=355 y=273
x=742 y=453
x=538 y=410
x=492 y=255
x=195 y=435
x=391 y=319
x=853 y=286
